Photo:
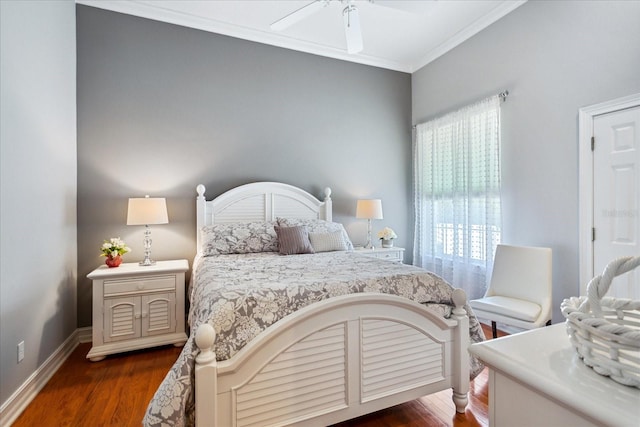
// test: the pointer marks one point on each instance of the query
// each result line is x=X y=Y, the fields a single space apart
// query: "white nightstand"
x=391 y=254
x=137 y=307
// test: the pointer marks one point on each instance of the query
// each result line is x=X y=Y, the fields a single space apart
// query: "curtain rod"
x=502 y=95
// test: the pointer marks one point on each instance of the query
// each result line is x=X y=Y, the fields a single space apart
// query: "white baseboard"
x=20 y=399
x=85 y=334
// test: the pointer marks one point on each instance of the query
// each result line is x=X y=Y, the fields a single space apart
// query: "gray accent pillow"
x=293 y=240
x=327 y=242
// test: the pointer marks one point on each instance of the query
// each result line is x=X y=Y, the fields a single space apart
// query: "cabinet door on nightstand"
x=121 y=318
x=158 y=314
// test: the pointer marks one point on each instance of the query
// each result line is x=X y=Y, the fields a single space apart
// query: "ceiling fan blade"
x=298 y=15
x=352 y=29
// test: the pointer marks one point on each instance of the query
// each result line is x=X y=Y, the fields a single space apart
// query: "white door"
x=616 y=195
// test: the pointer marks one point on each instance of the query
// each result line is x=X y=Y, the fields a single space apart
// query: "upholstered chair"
x=519 y=293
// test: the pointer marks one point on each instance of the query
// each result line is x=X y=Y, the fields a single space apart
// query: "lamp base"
x=147 y=261
x=368 y=245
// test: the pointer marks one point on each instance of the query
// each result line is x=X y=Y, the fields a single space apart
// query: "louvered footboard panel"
x=306 y=380
x=397 y=357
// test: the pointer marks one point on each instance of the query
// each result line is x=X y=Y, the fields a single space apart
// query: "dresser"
x=137 y=307
x=536 y=379
x=391 y=254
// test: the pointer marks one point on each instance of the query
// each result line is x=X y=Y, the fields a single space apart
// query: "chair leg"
x=494 y=330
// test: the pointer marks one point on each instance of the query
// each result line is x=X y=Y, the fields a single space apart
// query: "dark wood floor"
x=116 y=391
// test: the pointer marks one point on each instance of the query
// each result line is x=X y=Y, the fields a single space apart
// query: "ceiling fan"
x=349 y=13
x=350 y=16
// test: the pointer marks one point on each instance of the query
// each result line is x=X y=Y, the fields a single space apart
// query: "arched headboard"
x=260 y=201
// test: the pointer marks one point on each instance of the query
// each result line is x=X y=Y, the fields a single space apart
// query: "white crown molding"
x=467 y=33
x=157 y=13
x=20 y=399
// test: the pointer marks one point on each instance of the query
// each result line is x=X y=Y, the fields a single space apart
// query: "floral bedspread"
x=243 y=294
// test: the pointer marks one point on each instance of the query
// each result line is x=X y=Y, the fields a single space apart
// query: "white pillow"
x=317 y=226
x=327 y=242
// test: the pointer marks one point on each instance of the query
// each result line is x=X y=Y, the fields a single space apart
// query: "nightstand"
x=137 y=307
x=391 y=254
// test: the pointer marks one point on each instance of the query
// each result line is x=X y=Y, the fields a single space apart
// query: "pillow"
x=317 y=226
x=239 y=238
x=326 y=242
x=293 y=240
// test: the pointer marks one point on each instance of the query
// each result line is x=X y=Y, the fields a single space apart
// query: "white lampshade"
x=369 y=209
x=147 y=210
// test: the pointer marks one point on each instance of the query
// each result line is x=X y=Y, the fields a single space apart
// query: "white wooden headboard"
x=260 y=201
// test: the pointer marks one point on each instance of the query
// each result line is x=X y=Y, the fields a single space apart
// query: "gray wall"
x=162 y=108
x=38 y=185
x=553 y=57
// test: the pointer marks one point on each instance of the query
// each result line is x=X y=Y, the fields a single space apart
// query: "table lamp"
x=146 y=211
x=369 y=209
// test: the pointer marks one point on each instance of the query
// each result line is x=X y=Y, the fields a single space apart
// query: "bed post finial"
x=459 y=298
x=205 y=337
x=200 y=189
x=327 y=193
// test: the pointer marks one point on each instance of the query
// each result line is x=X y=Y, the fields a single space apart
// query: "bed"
x=310 y=339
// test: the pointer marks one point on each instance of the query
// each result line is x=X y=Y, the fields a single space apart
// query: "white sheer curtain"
x=458 y=217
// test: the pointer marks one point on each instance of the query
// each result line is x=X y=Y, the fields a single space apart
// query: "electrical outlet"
x=20 y=351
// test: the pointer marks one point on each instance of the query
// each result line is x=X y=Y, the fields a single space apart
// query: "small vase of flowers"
x=386 y=236
x=113 y=249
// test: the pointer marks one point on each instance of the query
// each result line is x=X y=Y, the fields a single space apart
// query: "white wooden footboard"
x=335 y=360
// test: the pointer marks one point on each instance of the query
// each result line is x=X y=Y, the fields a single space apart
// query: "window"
x=457 y=195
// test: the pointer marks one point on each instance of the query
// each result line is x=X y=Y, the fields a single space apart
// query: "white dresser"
x=536 y=379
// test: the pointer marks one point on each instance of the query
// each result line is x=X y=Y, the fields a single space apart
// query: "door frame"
x=586 y=115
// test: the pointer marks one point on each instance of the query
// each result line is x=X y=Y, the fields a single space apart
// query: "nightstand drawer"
x=388 y=255
x=143 y=284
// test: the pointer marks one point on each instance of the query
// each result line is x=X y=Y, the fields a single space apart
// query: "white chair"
x=520 y=290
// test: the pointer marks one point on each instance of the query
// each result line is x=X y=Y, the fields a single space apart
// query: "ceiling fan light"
x=352 y=29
